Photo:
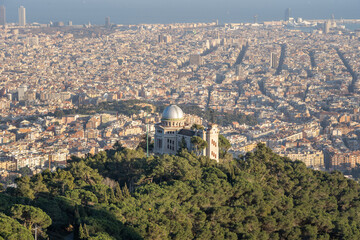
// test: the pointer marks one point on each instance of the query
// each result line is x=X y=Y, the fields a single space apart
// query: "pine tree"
x=106 y=197
x=82 y=234
x=86 y=231
x=112 y=196
x=125 y=191
x=183 y=144
x=118 y=193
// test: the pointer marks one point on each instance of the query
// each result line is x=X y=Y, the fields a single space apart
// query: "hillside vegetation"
x=121 y=194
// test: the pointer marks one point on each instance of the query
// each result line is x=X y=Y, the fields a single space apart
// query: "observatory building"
x=171 y=134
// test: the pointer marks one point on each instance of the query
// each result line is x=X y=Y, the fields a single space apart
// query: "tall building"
x=238 y=70
x=333 y=21
x=196 y=59
x=22 y=16
x=107 y=22
x=171 y=134
x=2 y=15
x=327 y=26
x=207 y=44
x=21 y=92
x=164 y=39
x=274 y=60
x=287 y=14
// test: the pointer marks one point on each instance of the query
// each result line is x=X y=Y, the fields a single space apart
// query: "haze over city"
x=165 y=11
x=172 y=119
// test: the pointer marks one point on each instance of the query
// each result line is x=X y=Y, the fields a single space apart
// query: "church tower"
x=212 y=138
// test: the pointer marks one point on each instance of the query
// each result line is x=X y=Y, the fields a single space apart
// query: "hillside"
x=121 y=194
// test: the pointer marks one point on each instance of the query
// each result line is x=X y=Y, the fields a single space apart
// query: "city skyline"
x=159 y=11
x=196 y=130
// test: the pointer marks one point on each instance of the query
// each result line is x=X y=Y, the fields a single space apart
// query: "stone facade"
x=171 y=134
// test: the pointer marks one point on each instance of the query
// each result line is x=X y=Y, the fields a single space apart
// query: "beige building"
x=313 y=159
x=172 y=133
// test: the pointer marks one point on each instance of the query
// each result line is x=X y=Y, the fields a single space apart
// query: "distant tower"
x=287 y=14
x=274 y=60
x=238 y=70
x=255 y=18
x=70 y=23
x=22 y=16
x=2 y=15
x=327 y=26
x=333 y=22
x=207 y=44
x=107 y=22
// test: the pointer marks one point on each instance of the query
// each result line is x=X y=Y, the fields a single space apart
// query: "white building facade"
x=171 y=134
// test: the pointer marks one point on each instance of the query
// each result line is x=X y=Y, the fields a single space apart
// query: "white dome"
x=172 y=112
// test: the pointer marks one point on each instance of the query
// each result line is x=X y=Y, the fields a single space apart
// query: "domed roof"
x=172 y=112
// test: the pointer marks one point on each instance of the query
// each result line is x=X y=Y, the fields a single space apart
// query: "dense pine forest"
x=121 y=194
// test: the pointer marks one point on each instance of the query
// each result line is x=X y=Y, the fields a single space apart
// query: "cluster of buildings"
x=21 y=14
x=295 y=83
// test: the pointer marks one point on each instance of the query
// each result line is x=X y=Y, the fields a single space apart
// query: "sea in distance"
x=176 y=11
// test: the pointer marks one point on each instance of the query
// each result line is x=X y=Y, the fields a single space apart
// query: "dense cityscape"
x=301 y=88
x=180 y=131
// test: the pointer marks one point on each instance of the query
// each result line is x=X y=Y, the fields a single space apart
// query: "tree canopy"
x=224 y=145
x=121 y=194
x=11 y=229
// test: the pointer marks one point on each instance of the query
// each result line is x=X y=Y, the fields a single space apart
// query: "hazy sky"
x=168 y=11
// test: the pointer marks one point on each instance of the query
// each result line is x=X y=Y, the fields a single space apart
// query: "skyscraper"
x=22 y=16
x=2 y=15
x=327 y=26
x=238 y=70
x=287 y=14
x=107 y=22
x=274 y=60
